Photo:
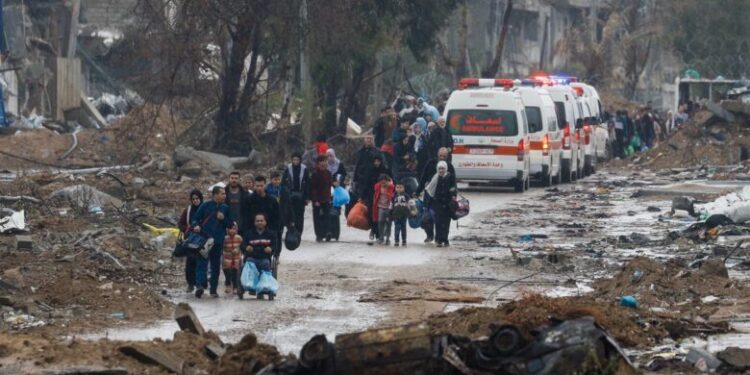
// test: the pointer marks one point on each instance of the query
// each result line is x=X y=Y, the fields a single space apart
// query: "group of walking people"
x=245 y=218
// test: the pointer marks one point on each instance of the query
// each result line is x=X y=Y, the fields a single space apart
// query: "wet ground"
x=553 y=241
x=321 y=284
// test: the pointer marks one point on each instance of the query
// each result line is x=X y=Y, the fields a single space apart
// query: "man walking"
x=262 y=203
x=212 y=220
x=238 y=200
x=295 y=193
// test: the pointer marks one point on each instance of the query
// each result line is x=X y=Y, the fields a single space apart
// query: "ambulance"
x=595 y=135
x=569 y=119
x=487 y=119
x=544 y=132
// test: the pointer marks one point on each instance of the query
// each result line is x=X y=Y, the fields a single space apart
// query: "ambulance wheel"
x=519 y=186
x=271 y=297
x=259 y=296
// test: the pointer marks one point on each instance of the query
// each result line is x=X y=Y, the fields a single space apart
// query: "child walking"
x=381 y=212
x=400 y=213
x=232 y=259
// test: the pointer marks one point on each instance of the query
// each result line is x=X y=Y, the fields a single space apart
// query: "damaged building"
x=50 y=70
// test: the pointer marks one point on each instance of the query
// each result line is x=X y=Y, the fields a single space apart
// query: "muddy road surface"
x=351 y=285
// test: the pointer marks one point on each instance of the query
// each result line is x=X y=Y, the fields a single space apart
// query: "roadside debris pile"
x=191 y=351
x=576 y=345
x=672 y=288
x=717 y=136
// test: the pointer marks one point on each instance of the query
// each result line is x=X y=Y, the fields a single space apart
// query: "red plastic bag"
x=357 y=217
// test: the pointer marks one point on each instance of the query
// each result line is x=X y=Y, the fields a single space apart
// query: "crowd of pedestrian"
x=643 y=128
x=407 y=156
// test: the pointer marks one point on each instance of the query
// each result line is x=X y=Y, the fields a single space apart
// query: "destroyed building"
x=50 y=70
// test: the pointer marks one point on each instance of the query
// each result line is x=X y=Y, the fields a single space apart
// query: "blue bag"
x=417 y=212
x=249 y=276
x=340 y=197
x=267 y=284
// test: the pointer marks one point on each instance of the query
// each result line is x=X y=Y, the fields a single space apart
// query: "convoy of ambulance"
x=509 y=132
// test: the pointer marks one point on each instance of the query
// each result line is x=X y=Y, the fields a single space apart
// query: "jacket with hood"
x=296 y=181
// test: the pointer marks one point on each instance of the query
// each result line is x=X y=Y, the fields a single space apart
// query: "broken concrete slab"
x=216 y=163
x=735 y=357
x=157 y=356
x=85 y=196
x=24 y=242
x=215 y=351
x=186 y=319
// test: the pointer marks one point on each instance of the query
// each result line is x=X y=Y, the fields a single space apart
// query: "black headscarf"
x=193 y=207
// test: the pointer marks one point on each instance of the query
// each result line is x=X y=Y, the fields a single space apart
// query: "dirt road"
x=321 y=284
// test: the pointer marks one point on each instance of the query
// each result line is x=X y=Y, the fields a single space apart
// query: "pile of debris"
x=717 y=136
x=193 y=350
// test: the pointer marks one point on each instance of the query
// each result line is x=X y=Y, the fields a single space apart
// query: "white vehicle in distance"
x=544 y=133
x=490 y=132
x=587 y=105
x=601 y=132
x=566 y=109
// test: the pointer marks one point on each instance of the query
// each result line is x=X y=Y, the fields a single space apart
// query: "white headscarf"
x=333 y=165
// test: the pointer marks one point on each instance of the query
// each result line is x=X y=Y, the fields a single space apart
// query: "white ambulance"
x=568 y=115
x=487 y=119
x=544 y=133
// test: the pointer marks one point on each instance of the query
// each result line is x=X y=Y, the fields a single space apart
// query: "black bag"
x=179 y=249
x=334 y=223
x=292 y=239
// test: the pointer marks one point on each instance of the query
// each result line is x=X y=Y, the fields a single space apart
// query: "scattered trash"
x=118 y=315
x=702 y=360
x=629 y=301
x=13 y=222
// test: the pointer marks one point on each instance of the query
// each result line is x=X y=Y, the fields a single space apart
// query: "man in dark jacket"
x=363 y=168
x=440 y=137
x=262 y=203
x=212 y=219
x=320 y=194
x=429 y=171
x=379 y=129
x=295 y=193
x=237 y=200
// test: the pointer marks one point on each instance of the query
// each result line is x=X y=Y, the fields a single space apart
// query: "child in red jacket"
x=381 y=211
x=232 y=259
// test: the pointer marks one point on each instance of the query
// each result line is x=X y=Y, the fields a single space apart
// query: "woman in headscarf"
x=441 y=192
x=196 y=198
x=336 y=167
x=420 y=148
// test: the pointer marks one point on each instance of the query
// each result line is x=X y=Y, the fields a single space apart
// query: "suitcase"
x=334 y=222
